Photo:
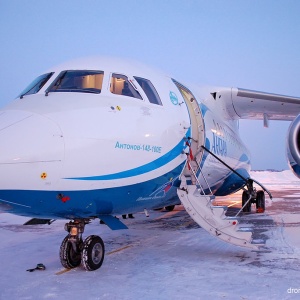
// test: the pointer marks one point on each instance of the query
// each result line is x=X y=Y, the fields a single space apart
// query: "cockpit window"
x=149 y=90
x=120 y=85
x=36 y=85
x=78 y=81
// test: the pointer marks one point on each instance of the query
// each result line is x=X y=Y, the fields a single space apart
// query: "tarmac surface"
x=164 y=256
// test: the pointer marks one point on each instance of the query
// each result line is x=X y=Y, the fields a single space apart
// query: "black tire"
x=93 y=253
x=170 y=207
x=260 y=202
x=245 y=197
x=68 y=257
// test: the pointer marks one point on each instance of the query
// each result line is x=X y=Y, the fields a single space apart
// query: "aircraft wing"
x=248 y=104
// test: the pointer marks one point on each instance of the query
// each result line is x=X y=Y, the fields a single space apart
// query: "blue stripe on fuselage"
x=159 y=162
x=93 y=203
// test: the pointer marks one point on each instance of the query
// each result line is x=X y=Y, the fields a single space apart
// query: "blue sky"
x=248 y=44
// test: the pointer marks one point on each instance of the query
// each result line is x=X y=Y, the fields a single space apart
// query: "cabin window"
x=120 y=85
x=149 y=90
x=36 y=84
x=78 y=81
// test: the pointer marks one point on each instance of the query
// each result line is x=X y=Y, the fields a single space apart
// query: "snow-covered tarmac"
x=165 y=256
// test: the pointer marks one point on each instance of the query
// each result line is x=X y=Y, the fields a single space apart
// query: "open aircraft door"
x=197 y=137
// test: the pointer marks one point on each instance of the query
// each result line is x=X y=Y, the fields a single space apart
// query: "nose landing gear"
x=73 y=250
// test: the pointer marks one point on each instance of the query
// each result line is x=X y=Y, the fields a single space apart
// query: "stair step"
x=213 y=218
x=217 y=206
x=258 y=242
x=245 y=230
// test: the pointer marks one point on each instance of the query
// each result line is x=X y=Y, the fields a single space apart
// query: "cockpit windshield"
x=36 y=85
x=120 y=85
x=78 y=81
x=149 y=90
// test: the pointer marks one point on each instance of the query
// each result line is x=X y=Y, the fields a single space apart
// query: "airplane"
x=98 y=137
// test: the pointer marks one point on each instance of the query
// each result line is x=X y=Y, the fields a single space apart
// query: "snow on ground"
x=165 y=256
x=275 y=180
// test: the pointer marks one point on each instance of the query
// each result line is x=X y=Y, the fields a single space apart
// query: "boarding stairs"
x=210 y=217
x=197 y=202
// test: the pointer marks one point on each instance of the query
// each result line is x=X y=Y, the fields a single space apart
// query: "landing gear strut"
x=73 y=250
x=250 y=196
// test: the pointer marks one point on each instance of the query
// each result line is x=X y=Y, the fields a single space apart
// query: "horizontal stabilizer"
x=36 y=221
x=112 y=222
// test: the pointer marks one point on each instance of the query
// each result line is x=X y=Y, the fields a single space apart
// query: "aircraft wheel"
x=68 y=257
x=260 y=202
x=92 y=253
x=170 y=207
x=245 y=197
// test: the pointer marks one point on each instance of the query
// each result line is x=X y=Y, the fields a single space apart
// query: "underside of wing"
x=248 y=104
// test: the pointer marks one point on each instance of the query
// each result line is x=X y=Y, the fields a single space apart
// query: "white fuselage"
x=67 y=154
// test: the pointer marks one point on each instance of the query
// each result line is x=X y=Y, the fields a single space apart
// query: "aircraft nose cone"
x=31 y=148
x=26 y=137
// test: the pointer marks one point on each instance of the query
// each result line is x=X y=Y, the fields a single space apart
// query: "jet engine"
x=293 y=146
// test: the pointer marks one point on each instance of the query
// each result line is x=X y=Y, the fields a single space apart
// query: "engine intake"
x=293 y=146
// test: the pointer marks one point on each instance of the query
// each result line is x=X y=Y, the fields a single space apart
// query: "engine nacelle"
x=293 y=146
